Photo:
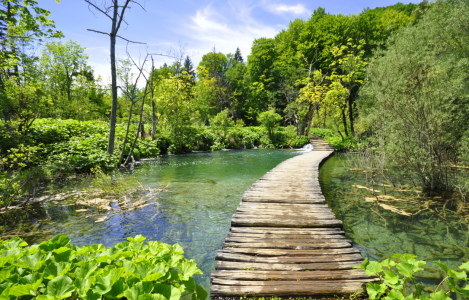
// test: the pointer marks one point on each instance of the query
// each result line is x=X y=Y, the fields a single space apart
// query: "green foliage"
x=417 y=97
x=397 y=279
x=57 y=269
x=269 y=120
x=222 y=121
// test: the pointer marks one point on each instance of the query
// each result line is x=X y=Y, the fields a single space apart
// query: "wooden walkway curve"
x=285 y=241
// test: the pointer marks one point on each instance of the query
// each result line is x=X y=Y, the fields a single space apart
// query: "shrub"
x=57 y=269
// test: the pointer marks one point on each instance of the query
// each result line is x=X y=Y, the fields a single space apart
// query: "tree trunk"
x=309 y=119
x=113 y=117
x=344 y=121
x=350 y=113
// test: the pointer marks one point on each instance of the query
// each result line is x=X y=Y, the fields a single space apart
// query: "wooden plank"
x=301 y=241
x=289 y=259
x=289 y=245
x=290 y=275
x=292 y=222
x=233 y=265
x=282 y=205
x=324 y=230
x=290 y=252
x=315 y=235
x=279 y=285
x=287 y=199
x=278 y=216
x=280 y=210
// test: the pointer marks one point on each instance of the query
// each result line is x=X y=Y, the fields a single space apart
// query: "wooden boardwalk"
x=285 y=241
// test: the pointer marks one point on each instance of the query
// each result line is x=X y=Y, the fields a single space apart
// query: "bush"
x=57 y=269
x=148 y=148
x=298 y=141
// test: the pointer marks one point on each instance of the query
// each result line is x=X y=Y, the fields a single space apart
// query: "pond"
x=189 y=199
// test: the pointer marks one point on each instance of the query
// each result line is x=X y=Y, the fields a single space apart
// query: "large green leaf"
x=60 y=287
x=55 y=243
x=53 y=269
x=24 y=289
x=33 y=262
x=103 y=284
x=4 y=274
x=63 y=254
x=465 y=266
x=394 y=295
x=188 y=269
x=152 y=297
x=201 y=293
x=373 y=268
x=4 y=259
x=440 y=295
x=85 y=269
x=452 y=273
x=390 y=277
x=408 y=269
x=118 y=288
x=138 y=289
x=157 y=271
x=375 y=290
x=83 y=285
x=168 y=291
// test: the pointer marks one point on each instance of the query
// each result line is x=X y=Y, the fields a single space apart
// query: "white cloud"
x=210 y=28
x=298 y=9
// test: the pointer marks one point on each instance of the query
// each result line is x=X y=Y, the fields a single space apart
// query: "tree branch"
x=97 y=31
x=129 y=41
x=97 y=8
x=121 y=17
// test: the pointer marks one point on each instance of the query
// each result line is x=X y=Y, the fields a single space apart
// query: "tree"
x=205 y=94
x=62 y=64
x=310 y=98
x=189 y=67
x=216 y=64
x=175 y=109
x=269 y=120
x=114 y=10
x=417 y=95
x=21 y=25
x=237 y=56
x=349 y=72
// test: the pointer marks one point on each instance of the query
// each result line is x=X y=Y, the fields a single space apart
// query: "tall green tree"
x=417 y=95
x=22 y=24
x=216 y=64
x=62 y=65
x=349 y=72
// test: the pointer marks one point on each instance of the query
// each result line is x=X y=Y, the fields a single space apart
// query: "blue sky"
x=188 y=27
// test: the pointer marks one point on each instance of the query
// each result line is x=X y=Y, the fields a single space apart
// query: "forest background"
x=390 y=82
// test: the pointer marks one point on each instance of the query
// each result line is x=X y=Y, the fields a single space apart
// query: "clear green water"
x=433 y=234
x=202 y=193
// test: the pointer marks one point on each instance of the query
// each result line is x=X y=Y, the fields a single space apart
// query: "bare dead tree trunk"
x=117 y=17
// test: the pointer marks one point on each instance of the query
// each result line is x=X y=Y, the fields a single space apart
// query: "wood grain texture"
x=285 y=240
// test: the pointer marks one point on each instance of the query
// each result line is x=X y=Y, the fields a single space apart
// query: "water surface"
x=201 y=193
